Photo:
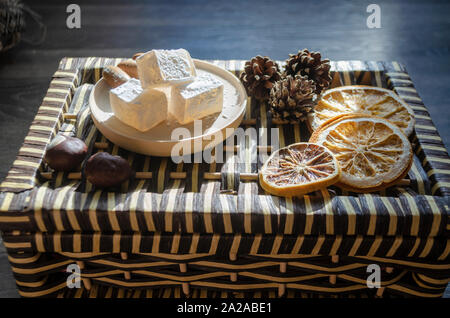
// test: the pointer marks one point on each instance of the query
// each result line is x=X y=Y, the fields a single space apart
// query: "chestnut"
x=130 y=67
x=135 y=56
x=65 y=153
x=104 y=170
x=114 y=76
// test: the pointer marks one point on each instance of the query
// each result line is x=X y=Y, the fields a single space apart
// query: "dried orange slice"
x=372 y=152
x=298 y=169
x=370 y=100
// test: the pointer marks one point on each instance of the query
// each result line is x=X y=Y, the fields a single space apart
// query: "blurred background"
x=415 y=33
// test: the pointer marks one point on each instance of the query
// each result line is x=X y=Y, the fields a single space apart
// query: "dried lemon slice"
x=298 y=169
x=373 y=153
x=368 y=100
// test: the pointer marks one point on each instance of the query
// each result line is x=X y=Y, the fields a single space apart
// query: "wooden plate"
x=158 y=140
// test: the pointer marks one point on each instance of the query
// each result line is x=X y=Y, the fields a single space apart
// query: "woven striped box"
x=209 y=230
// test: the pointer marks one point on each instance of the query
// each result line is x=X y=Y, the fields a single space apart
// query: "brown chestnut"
x=130 y=67
x=65 y=153
x=104 y=170
x=114 y=76
x=135 y=56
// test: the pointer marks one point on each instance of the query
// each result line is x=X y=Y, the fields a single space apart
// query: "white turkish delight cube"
x=163 y=67
x=195 y=100
x=138 y=108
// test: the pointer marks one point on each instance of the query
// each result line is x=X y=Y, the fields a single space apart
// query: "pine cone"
x=292 y=98
x=310 y=64
x=12 y=23
x=259 y=75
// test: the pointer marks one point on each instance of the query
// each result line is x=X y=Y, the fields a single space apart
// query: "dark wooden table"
x=416 y=33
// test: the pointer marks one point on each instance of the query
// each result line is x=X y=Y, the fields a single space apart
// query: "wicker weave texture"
x=119 y=237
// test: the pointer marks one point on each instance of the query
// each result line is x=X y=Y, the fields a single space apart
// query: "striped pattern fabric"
x=221 y=234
